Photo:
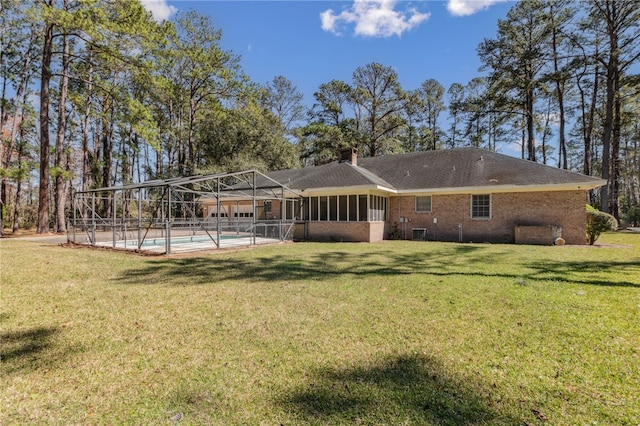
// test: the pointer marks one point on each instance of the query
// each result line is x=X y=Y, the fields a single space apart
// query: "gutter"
x=579 y=186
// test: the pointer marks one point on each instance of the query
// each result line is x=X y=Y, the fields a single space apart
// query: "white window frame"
x=430 y=203
x=471 y=207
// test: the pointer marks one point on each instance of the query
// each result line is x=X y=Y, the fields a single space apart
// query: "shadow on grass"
x=404 y=389
x=18 y=348
x=584 y=272
x=451 y=260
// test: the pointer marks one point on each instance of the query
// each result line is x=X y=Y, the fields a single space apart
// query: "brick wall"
x=542 y=235
x=508 y=210
x=340 y=231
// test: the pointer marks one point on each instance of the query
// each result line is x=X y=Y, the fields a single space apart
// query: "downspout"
x=404 y=234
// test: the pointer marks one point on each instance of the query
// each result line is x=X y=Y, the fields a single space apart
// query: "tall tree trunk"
x=16 y=125
x=562 y=145
x=18 y=117
x=107 y=146
x=561 y=132
x=181 y=153
x=107 y=152
x=190 y=166
x=522 y=137
x=634 y=165
x=3 y=203
x=3 y=182
x=45 y=79
x=531 y=145
x=86 y=170
x=545 y=132
x=614 y=203
x=588 y=136
x=4 y=115
x=610 y=14
x=606 y=137
x=22 y=99
x=60 y=184
x=159 y=164
x=16 y=206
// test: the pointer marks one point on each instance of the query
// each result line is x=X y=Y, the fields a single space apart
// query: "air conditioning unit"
x=419 y=234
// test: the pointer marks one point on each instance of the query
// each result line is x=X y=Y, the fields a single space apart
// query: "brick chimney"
x=349 y=155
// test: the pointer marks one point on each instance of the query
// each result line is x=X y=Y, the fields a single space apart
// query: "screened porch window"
x=346 y=208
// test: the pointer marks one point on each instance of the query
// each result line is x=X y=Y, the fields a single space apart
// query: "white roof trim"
x=582 y=186
x=345 y=190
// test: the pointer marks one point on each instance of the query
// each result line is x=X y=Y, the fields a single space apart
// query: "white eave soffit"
x=504 y=188
x=347 y=190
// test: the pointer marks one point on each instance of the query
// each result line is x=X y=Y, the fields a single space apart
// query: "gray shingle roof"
x=331 y=175
x=433 y=170
x=466 y=167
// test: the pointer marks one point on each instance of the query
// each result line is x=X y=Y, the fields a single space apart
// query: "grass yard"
x=389 y=333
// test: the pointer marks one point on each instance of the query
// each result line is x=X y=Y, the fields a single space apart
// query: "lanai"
x=166 y=215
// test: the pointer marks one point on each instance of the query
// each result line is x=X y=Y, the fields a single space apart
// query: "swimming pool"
x=152 y=242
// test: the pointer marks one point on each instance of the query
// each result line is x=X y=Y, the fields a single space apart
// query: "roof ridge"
x=368 y=174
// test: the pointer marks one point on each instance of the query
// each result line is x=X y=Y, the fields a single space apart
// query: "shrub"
x=599 y=222
x=633 y=215
x=395 y=233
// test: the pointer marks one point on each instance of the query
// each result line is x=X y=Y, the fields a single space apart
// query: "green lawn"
x=387 y=333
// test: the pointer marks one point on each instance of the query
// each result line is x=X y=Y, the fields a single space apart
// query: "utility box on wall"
x=539 y=235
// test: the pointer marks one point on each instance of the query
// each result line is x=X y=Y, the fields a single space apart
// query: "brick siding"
x=565 y=209
x=508 y=210
x=340 y=231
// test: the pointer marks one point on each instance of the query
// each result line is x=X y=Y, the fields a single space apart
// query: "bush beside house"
x=598 y=222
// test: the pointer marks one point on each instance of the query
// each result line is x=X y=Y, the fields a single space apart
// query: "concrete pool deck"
x=176 y=248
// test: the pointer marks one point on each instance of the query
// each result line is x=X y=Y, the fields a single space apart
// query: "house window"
x=323 y=208
x=350 y=208
x=353 y=208
x=377 y=208
x=342 y=208
x=314 y=208
x=333 y=208
x=481 y=206
x=267 y=206
x=423 y=204
x=363 y=208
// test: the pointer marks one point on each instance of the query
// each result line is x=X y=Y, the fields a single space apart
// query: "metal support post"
x=168 y=224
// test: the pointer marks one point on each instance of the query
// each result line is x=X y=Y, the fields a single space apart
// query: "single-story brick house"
x=465 y=194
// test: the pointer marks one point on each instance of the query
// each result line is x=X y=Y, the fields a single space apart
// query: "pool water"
x=174 y=241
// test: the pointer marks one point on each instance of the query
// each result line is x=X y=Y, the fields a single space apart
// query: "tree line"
x=97 y=94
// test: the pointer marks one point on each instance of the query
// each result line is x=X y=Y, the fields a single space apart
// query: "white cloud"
x=159 y=9
x=469 y=7
x=512 y=148
x=34 y=101
x=373 y=18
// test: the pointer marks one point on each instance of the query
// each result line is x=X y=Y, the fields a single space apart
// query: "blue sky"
x=313 y=42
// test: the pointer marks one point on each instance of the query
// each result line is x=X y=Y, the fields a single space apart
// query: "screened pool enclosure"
x=186 y=213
